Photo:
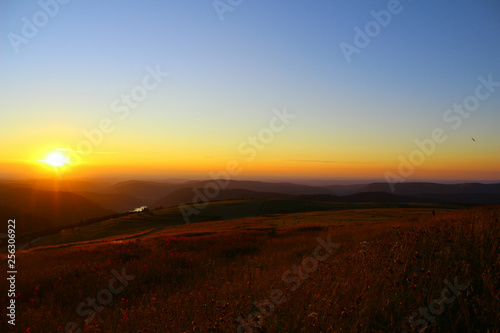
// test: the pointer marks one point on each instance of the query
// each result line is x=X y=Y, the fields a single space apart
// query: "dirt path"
x=62 y=246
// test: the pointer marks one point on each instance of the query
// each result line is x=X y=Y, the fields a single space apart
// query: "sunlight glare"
x=56 y=159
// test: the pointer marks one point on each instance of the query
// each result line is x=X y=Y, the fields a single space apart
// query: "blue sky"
x=225 y=77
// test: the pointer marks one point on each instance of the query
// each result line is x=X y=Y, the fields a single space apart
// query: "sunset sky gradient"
x=228 y=78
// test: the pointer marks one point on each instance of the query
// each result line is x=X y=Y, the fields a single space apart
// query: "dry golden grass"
x=203 y=282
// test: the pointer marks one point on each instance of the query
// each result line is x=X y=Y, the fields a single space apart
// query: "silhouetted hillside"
x=152 y=193
x=146 y=192
x=433 y=188
x=187 y=195
x=346 y=189
x=463 y=198
x=455 y=198
x=376 y=192
x=284 y=188
x=118 y=202
x=361 y=197
x=36 y=210
x=467 y=193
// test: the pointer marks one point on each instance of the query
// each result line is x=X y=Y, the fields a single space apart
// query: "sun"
x=56 y=159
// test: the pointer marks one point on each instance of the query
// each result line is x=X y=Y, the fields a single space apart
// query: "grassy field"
x=274 y=213
x=255 y=275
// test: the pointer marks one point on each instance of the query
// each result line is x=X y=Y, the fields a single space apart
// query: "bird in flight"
x=473 y=139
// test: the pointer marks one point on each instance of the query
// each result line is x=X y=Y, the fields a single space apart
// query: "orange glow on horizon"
x=129 y=161
x=203 y=168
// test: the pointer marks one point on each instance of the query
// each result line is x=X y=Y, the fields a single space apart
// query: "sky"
x=334 y=89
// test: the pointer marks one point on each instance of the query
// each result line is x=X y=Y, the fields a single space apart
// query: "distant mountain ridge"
x=472 y=193
x=118 y=202
x=42 y=207
x=187 y=195
x=411 y=188
x=422 y=188
x=151 y=193
x=146 y=191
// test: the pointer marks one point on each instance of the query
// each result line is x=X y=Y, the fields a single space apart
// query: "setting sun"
x=56 y=159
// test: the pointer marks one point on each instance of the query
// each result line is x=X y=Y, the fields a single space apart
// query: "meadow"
x=394 y=269
x=238 y=214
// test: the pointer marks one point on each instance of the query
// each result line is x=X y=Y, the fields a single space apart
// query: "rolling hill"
x=38 y=210
x=419 y=188
x=161 y=194
x=186 y=195
x=118 y=202
x=147 y=192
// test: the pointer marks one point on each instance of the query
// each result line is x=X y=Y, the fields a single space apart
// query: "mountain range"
x=44 y=204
